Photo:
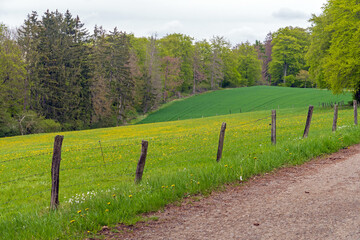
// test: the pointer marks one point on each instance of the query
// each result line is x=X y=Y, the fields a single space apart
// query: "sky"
x=236 y=20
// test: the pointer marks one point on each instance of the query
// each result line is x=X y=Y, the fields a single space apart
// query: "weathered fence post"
x=141 y=163
x=355 y=112
x=221 y=141
x=308 y=121
x=335 y=117
x=273 y=126
x=55 y=169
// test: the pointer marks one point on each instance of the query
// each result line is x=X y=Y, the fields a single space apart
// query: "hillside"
x=238 y=100
x=98 y=167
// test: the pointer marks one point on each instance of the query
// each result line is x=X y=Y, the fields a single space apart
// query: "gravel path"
x=318 y=200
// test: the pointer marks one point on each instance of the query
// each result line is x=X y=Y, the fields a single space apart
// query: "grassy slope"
x=181 y=161
x=244 y=99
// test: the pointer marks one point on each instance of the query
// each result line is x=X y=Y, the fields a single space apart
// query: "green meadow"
x=98 y=167
x=246 y=99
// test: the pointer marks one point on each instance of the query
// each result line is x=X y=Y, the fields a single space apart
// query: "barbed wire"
x=26 y=197
x=154 y=141
x=98 y=180
x=94 y=166
x=29 y=156
x=22 y=178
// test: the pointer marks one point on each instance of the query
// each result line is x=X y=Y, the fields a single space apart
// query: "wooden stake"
x=335 y=118
x=355 y=112
x=308 y=121
x=273 y=126
x=141 y=163
x=221 y=141
x=55 y=169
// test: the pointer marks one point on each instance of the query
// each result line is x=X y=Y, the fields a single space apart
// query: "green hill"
x=243 y=100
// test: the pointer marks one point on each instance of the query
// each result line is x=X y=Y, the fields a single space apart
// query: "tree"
x=249 y=66
x=100 y=88
x=264 y=54
x=218 y=47
x=12 y=75
x=334 y=55
x=58 y=67
x=201 y=58
x=179 y=46
x=304 y=78
x=152 y=76
x=119 y=74
x=28 y=42
x=171 y=75
x=288 y=53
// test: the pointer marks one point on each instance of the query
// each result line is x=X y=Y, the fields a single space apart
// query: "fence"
x=56 y=171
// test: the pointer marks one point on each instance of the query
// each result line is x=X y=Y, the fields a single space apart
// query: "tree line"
x=56 y=75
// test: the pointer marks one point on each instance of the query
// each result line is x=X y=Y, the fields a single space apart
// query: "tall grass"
x=181 y=161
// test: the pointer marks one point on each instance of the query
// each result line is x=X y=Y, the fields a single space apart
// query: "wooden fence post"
x=355 y=112
x=221 y=141
x=141 y=163
x=335 y=117
x=55 y=169
x=308 y=121
x=273 y=126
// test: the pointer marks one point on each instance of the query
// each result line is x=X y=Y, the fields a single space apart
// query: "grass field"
x=98 y=189
x=243 y=100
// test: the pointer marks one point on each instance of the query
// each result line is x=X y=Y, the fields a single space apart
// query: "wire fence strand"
x=157 y=141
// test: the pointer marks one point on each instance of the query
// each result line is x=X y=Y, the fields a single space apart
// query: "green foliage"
x=249 y=66
x=288 y=53
x=179 y=46
x=334 y=53
x=319 y=45
x=243 y=100
x=12 y=78
x=59 y=71
x=30 y=123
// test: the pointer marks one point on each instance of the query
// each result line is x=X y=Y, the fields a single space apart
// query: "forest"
x=56 y=75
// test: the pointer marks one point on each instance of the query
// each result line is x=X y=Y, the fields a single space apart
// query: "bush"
x=29 y=122
x=46 y=126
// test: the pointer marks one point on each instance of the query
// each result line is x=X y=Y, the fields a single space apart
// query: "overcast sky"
x=236 y=20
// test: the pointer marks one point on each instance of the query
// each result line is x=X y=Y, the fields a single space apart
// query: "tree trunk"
x=194 y=82
x=165 y=79
x=213 y=71
x=285 y=71
x=357 y=95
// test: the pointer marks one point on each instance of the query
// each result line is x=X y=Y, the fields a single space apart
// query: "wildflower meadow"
x=98 y=166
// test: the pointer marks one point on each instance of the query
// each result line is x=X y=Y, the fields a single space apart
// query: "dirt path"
x=318 y=200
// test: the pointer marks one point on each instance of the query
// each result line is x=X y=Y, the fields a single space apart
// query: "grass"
x=243 y=100
x=98 y=189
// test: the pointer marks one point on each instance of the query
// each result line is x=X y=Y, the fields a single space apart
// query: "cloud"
x=286 y=13
x=163 y=29
x=243 y=34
